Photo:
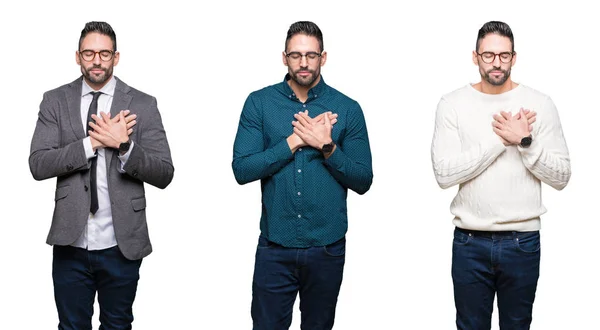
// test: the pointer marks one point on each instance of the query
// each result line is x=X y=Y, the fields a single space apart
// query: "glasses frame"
x=512 y=54
x=308 y=59
x=112 y=55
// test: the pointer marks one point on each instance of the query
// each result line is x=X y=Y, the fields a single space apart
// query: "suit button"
x=85 y=188
x=69 y=167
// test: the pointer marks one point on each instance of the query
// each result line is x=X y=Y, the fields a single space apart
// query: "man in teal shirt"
x=308 y=144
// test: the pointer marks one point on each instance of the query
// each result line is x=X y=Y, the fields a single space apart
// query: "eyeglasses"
x=297 y=56
x=489 y=57
x=88 y=55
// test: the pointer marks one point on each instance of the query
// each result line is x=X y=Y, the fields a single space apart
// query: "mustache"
x=96 y=67
x=496 y=69
x=304 y=70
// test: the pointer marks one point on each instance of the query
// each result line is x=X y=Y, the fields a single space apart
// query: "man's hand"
x=314 y=133
x=109 y=132
x=511 y=129
x=129 y=119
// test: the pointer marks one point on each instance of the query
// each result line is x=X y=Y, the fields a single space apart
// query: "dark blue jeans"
x=486 y=263
x=79 y=273
x=281 y=273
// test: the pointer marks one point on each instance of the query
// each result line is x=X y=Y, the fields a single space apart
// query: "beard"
x=485 y=75
x=97 y=79
x=304 y=81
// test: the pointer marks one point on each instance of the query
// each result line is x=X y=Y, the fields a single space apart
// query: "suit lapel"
x=73 y=95
x=121 y=101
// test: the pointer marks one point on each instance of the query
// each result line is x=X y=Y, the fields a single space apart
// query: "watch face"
x=124 y=146
x=327 y=148
x=526 y=141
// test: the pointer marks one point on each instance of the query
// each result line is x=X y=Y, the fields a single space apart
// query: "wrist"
x=123 y=147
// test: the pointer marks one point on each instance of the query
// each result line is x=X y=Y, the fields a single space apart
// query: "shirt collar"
x=317 y=91
x=108 y=89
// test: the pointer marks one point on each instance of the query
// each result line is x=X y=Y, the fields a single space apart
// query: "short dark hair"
x=496 y=27
x=307 y=28
x=99 y=27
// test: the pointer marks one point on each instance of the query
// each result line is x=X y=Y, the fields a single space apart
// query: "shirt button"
x=304 y=105
x=300 y=149
x=299 y=193
x=299 y=216
x=85 y=187
x=299 y=171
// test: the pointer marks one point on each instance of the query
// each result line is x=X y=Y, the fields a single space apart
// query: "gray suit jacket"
x=57 y=151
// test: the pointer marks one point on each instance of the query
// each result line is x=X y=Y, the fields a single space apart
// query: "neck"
x=487 y=88
x=302 y=91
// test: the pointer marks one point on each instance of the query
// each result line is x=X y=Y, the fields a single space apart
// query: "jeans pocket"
x=336 y=249
x=264 y=243
x=461 y=238
x=528 y=242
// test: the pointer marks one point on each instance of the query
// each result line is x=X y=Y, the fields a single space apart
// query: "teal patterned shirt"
x=303 y=194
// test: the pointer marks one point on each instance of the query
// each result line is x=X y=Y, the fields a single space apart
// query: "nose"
x=497 y=63
x=304 y=61
x=96 y=59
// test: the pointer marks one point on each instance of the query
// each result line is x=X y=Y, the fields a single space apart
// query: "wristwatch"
x=526 y=141
x=124 y=147
x=327 y=148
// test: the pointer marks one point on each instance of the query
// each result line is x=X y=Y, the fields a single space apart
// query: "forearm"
x=45 y=162
x=150 y=167
x=455 y=168
x=352 y=174
x=249 y=165
x=551 y=166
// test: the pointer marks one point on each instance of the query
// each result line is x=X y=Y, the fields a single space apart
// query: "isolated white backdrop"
x=201 y=61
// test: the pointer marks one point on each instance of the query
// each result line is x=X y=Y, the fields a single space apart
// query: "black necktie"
x=93 y=110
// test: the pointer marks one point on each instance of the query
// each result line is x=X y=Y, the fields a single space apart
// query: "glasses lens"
x=505 y=57
x=488 y=57
x=106 y=55
x=87 y=55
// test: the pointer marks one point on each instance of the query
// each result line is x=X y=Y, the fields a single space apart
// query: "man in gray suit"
x=102 y=140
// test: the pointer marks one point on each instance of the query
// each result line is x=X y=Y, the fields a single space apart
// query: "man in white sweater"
x=498 y=140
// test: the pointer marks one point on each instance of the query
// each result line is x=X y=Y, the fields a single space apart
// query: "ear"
x=514 y=59
x=475 y=58
x=116 y=58
x=323 y=58
x=284 y=59
x=77 y=58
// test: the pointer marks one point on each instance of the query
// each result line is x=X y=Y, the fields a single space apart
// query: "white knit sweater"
x=499 y=187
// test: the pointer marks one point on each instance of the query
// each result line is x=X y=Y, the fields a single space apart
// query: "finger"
x=130 y=118
x=96 y=136
x=299 y=133
x=298 y=125
x=130 y=131
x=327 y=120
x=531 y=114
x=498 y=132
x=121 y=117
x=333 y=116
x=506 y=115
x=499 y=119
x=530 y=128
x=531 y=120
x=105 y=116
x=333 y=121
x=497 y=125
x=97 y=128
x=301 y=117
x=131 y=124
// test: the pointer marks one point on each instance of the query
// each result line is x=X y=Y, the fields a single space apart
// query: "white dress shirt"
x=99 y=232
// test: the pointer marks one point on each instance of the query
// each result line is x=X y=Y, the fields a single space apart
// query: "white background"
x=201 y=63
